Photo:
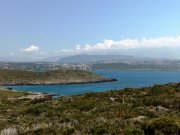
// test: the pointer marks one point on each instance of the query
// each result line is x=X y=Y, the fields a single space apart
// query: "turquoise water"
x=126 y=79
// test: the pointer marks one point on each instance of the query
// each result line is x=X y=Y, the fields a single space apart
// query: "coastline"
x=64 y=83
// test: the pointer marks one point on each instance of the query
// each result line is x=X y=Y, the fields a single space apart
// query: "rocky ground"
x=143 y=111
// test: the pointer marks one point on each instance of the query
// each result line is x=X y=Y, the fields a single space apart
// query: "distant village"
x=124 y=64
x=43 y=66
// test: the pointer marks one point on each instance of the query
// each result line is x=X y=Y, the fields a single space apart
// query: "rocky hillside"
x=144 y=111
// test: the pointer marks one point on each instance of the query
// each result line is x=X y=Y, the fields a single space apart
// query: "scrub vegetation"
x=140 y=111
x=19 y=77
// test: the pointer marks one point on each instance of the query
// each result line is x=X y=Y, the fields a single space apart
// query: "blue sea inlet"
x=126 y=79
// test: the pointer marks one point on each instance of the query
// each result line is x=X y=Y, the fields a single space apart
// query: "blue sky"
x=42 y=28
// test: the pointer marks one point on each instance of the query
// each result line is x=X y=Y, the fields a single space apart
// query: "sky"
x=35 y=29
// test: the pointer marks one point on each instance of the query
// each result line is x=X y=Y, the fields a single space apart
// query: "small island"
x=19 y=77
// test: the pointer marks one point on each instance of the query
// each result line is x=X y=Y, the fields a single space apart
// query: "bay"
x=126 y=79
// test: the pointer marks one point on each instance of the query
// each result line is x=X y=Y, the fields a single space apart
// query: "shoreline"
x=66 y=83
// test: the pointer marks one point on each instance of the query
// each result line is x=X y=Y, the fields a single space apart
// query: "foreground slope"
x=18 y=77
x=151 y=110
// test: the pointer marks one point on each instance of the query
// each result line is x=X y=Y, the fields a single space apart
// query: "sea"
x=126 y=79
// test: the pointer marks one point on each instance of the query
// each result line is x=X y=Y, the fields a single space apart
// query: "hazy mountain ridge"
x=83 y=58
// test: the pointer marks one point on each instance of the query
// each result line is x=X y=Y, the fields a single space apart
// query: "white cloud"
x=62 y=51
x=78 y=47
x=31 y=49
x=128 y=44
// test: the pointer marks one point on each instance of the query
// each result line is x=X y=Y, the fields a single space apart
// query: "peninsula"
x=19 y=77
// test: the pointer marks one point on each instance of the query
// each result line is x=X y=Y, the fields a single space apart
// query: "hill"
x=83 y=58
x=139 y=65
x=19 y=77
x=144 y=111
x=123 y=62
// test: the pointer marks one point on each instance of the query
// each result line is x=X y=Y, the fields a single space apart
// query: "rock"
x=143 y=93
x=139 y=118
x=9 y=131
x=9 y=88
x=35 y=96
x=112 y=99
x=133 y=121
x=161 y=109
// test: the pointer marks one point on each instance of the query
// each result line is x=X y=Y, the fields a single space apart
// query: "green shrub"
x=134 y=131
x=158 y=89
x=46 y=131
x=99 y=130
x=68 y=131
x=164 y=125
x=37 y=109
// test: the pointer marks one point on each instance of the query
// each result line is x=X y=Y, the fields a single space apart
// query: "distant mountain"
x=83 y=58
